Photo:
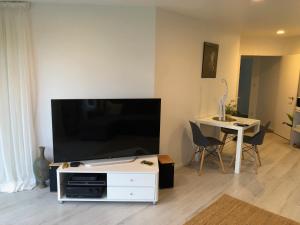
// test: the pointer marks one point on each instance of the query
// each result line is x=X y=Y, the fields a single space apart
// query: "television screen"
x=87 y=129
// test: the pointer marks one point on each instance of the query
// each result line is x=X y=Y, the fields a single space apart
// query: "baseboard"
x=178 y=166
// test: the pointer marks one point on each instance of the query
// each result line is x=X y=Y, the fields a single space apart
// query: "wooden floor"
x=275 y=188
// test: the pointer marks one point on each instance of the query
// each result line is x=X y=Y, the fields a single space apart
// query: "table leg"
x=239 y=145
x=257 y=128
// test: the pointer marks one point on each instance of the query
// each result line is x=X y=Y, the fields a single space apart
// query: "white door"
x=286 y=94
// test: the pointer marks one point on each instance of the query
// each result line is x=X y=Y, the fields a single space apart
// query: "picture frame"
x=210 y=60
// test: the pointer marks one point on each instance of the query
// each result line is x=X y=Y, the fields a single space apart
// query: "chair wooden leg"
x=258 y=156
x=256 y=160
x=193 y=157
x=221 y=161
x=202 y=161
x=223 y=140
x=243 y=156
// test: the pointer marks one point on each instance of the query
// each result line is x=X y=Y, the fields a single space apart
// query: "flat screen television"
x=89 y=129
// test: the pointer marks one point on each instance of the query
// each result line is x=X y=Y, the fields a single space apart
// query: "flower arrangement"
x=231 y=108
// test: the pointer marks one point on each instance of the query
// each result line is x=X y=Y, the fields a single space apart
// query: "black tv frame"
x=105 y=157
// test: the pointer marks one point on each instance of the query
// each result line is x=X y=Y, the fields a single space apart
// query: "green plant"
x=291 y=119
x=231 y=108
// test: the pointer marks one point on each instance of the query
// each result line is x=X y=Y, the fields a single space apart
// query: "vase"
x=41 y=168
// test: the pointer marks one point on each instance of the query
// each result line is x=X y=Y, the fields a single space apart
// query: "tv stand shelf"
x=126 y=182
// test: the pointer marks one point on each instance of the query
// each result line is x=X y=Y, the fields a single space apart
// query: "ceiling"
x=250 y=17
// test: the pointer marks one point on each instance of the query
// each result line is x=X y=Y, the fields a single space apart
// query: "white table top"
x=226 y=124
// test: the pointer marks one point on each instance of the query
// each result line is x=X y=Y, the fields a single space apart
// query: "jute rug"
x=230 y=211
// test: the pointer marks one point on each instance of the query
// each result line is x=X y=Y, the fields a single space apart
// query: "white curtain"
x=17 y=145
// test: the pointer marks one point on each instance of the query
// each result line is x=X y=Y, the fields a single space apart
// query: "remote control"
x=241 y=124
x=75 y=164
x=149 y=163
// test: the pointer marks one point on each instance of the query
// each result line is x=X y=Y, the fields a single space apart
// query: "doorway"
x=268 y=89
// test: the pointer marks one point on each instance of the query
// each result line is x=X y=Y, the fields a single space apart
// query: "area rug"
x=231 y=211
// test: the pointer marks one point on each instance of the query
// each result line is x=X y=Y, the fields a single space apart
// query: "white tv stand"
x=102 y=162
x=129 y=181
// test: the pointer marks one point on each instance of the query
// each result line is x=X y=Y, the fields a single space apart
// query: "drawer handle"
x=131 y=180
x=131 y=194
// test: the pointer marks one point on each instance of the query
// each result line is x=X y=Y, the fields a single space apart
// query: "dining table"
x=240 y=124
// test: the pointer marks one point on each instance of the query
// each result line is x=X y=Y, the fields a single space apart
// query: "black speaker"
x=52 y=176
x=166 y=171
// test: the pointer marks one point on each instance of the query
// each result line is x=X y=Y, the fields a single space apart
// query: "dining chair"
x=227 y=133
x=205 y=145
x=251 y=143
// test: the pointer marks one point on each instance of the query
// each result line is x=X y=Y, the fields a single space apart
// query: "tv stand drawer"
x=130 y=193
x=132 y=179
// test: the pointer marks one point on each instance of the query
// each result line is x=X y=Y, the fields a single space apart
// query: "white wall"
x=287 y=87
x=179 y=49
x=269 y=46
x=87 y=51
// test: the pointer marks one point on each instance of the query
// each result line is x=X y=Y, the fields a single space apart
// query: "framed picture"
x=210 y=60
